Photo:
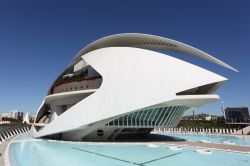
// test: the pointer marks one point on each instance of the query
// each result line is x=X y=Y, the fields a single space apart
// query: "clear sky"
x=39 y=38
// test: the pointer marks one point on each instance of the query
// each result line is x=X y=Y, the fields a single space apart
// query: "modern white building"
x=121 y=85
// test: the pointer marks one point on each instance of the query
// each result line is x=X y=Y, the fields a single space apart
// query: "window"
x=100 y=133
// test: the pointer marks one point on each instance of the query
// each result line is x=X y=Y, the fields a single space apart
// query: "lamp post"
x=222 y=109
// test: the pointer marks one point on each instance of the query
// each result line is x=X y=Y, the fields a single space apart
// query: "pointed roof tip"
x=235 y=70
x=231 y=68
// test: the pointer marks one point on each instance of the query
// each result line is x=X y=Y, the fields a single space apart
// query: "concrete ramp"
x=246 y=131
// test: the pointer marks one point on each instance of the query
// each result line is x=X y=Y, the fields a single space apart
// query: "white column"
x=2 y=138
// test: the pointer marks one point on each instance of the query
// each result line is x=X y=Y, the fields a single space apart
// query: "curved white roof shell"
x=147 y=41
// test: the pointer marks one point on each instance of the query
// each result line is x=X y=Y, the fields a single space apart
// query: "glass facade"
x=150 y=118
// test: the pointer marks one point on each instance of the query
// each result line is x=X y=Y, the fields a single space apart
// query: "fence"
x=9 y=131
x=198 y=130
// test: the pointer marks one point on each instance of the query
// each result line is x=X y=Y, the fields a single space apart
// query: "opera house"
x=123 y=85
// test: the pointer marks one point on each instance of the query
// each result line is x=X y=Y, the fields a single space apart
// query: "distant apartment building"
x=15 y=114
x=205 y=117
x=237 y=114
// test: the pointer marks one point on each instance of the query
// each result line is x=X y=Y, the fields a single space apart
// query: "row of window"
x=74 y=88
x=70 y=89
x=71 y=86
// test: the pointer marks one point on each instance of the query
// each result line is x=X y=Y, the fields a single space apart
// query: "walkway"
x=163 y=139
x=7 y=133
x=2 y=150
x=224 y=147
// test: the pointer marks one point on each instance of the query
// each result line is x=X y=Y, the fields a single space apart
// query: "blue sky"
x=39 y=38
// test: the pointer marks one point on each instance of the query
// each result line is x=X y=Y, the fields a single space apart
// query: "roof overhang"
x=147 y=41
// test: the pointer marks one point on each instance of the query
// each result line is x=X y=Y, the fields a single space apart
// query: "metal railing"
x=9 y=131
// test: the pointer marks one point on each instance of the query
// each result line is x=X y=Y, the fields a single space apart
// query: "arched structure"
x=118 y=86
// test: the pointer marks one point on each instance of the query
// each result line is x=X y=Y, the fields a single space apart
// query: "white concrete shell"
x=147 y=41
x=140 y=89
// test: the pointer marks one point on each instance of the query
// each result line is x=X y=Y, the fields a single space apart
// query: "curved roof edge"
x=147 y=41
